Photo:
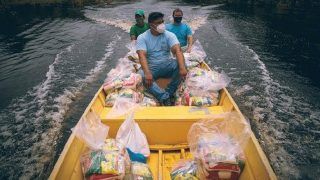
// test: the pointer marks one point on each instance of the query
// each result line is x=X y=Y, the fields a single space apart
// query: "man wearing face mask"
x=153 y=48
x=181 y=30
x=140 y=26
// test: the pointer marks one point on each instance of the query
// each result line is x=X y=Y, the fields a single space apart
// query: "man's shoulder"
x=168 y=33
x=144 y=35
x=169 y=26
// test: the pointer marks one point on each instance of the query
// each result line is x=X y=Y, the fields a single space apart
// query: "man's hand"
x=183 y=72
x=148 y=79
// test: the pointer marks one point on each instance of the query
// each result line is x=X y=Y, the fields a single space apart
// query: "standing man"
x=153 y=48
x=140 y=26
x=181 y=30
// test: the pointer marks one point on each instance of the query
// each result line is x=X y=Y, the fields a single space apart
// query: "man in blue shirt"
x=153 y=48
x=181 y=30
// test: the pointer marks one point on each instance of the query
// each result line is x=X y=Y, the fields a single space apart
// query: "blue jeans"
x=168 y=69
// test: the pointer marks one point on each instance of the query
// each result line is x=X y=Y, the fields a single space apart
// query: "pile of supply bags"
x=124 y=157
x=200 y=88
x=216 y=144
x=123 y=82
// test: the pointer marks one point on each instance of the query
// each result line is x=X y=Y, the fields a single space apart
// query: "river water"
x=53 y=60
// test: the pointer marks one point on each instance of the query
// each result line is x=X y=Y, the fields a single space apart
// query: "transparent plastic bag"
x=184 y=169
x=132 y=54
x=197 y=54
x=126 y=103
x=149 y=102
x=91 y=130
x=202 y=83
x=111 y=98
x=123 y=106
x=132 y=81
x=195 y=97
x=116 y=77
x=132 y=137
x=140 y=171
x=221 y=136
x=200 y=101
x=104 y=164
x=217 y=144
x=113 y=145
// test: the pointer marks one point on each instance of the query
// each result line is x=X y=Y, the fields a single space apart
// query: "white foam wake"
x=43 y=112
x=195 y=23
x=119 y=23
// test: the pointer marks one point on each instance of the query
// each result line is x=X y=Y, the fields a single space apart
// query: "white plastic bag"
x=91 y=130
x=201 y=82
x=132 y=54
x=132 y=137
x=197 y=54
x=125 y=105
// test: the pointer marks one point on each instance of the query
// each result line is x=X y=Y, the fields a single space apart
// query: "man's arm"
x=189 y=38
x=144 y=64
x=133 y=33
x=190 y=42
x=133 y=37
x=176 y=50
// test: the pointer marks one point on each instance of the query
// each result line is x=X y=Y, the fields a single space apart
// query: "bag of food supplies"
x=184 y=169
x=217 y=143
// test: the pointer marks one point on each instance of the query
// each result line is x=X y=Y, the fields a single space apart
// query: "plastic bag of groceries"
x=149 y=102
x=140 y=171
x=133 y=81
x=217 y=144
x=132 y=54
x=111 y=162
x=197 y=53
x=202 y=82
x=91 y=130
x=126 y=102
x=184 y=169
x=132 y=137
x=117 y=76
x=111 y=98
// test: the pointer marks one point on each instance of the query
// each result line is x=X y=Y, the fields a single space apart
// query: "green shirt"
x=136 y=30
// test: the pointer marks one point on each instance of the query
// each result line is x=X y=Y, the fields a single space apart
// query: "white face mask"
x=161 y=28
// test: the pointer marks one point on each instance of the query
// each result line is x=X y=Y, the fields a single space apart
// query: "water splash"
x=39 y=116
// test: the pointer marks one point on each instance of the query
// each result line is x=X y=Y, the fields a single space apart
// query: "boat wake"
x=275 y=110
x=33 y=122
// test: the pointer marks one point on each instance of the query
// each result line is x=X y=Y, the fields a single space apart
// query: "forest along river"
x=53 y=60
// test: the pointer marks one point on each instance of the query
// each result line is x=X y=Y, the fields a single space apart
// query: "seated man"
x=140 y=26
x=153 y=48
x=181 y=30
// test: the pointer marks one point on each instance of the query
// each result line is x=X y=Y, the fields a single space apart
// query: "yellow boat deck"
x=166 y=129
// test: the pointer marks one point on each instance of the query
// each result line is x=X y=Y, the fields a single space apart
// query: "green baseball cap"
x=139 y=12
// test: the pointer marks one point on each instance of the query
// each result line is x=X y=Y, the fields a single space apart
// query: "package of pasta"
x=113 y=145
x=140 y=171
x=112 y=84
x=111 y=98
x=149 y=102
x=202 y=101
x=131 y=94
x=184 y=170
x=132 y=81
